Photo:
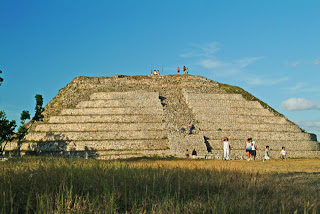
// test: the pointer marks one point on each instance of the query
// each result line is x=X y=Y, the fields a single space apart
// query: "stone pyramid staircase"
x=135 y=116
x=230 y=115
x=110 y=125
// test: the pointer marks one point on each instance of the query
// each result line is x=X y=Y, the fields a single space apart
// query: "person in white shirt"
x=226 y=148
x=266 y=154
x=283 y=154
x=253 y=149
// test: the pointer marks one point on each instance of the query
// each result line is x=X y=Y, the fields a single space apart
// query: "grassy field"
x=56 y=185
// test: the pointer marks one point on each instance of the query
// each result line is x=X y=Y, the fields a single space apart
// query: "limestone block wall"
x=179 y=143
x=230 y=115
x=108 y=125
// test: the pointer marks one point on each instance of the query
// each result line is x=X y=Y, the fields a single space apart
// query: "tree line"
x=8 y=127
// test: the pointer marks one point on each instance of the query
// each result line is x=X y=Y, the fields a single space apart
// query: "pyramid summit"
x=135 y=116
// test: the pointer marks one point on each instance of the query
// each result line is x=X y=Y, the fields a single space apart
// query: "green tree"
x=7 y=127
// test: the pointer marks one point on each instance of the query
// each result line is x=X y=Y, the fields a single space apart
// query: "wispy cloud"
x=310 y=124
x=205 y=57
x=299 y=104
x=207 y=50
x=293 y=64
x=267 y=81
x=301 y=62
x=302 y=87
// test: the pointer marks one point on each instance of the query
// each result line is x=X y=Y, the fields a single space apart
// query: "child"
x=266 y=154
x=187 y=153
x=283 y=154
x=226 y=148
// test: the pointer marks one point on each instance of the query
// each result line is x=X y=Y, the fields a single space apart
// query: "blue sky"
x=269 y=48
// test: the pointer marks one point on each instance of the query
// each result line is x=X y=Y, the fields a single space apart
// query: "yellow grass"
x=273 y=166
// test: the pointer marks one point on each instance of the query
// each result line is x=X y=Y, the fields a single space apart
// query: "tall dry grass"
x=56 y=185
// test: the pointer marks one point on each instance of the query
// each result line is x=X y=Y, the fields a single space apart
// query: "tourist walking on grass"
x=187 y=154
x=253 y=149
x=283 y=154
x=266 y=154
x=194 y=153
x=248 y=147
x=226 y=148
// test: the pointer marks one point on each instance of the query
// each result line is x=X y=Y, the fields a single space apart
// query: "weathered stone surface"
x=102 y=111
x=132 y=95
x=97 y=135
x=239 y=135
x=179 y=143
x=101 y=127
x=201 y=111
x=263 y=127
x=222 y=118
x=124 y=117
x=156 y=118
x=225 y=103
x=120 y=103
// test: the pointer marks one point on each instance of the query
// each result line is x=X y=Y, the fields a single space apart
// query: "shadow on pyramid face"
x=58 y=146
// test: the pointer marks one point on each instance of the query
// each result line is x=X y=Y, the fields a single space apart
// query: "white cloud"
x=309 y=124
x=205 y=57
x=299 y=104
x=302 y=87
x=211 y=63
x=300 y=62
x=207 y=50
x=242 y=63
x=293 y=64
x=267 y=81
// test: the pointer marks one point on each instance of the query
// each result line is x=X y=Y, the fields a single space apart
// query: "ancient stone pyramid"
x=135 y=116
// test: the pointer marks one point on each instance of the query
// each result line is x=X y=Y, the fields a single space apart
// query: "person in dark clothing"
x=194 y=153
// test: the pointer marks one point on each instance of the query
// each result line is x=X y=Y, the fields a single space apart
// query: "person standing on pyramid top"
x=178 y=70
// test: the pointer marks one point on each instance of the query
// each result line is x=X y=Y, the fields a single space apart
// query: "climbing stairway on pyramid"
x=109 y=125
x=232 y=116
x=136 y=116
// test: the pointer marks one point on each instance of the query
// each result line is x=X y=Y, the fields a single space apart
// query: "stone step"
x=127 y=155
x=225 y=103
x=131 y=95
x=141 y=152
x=155 y=102
x=214 y=126
x=230 y=111
x=274 y=155
x=105 y=111
x=100 y=127
x=292 y=145
x=157 y=118
x=99 y=135
x=215 y=118
x=98 y=145
x=243 y=135
x=180 y=143
x=204 y=97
